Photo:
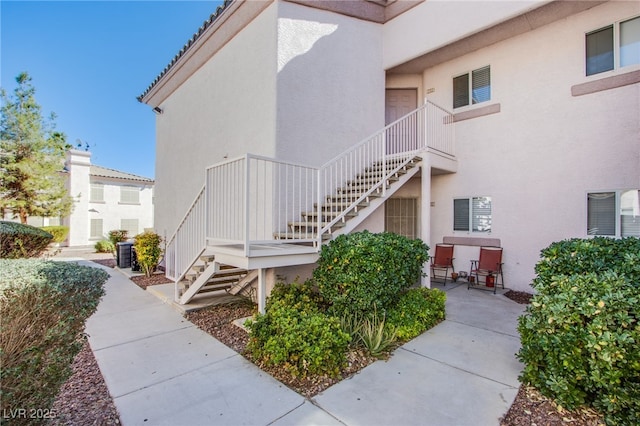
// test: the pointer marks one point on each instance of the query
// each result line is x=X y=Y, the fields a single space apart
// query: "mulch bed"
x=109 y=263
x=519 y=296
x=84 y=399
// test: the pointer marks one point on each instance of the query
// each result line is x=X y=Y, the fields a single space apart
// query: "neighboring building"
x=105 y=200
x=544 y=97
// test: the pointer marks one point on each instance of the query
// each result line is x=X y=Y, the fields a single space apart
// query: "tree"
x=31 y=157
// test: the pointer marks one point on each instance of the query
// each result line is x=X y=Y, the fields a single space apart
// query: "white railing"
x=188 y=242
x=254 y=200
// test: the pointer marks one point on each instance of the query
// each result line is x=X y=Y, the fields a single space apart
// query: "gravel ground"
x=85 y=400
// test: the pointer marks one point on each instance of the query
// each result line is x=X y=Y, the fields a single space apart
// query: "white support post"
x=425 y=215
x=262 y=290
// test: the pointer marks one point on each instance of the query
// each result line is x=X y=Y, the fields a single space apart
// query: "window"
x=602 y=218
x=400 y=216
x=472 y=214
x=96 y=229
x=131 y=225
x=130 y=194
x=475 y=86
x=602 y=48
x=97 y=192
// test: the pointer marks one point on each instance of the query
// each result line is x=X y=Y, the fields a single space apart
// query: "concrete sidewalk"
x=162 y=370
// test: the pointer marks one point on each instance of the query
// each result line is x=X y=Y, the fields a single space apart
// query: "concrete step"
x=312 y=225
x=299 y=236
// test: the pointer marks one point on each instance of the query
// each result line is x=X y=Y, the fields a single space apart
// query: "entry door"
x=398 y=103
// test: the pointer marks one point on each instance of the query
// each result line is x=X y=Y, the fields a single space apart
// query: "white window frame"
x=92 y=235
x=130 y=228
x=97 y=187
x=616 y=46
x=472 y=215
x=617 y=212
x=126 y=194
x=470 y=101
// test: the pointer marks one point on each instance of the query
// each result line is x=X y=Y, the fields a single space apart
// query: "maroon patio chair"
x=489 y=266
x=442 y=261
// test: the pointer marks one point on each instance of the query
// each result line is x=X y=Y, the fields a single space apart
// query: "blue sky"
x=89 y=60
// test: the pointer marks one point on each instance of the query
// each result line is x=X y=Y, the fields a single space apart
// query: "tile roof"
x=186 y=47
x=115 y=174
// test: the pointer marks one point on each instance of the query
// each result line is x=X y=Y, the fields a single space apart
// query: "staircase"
x=255 y=212
x=332 y=216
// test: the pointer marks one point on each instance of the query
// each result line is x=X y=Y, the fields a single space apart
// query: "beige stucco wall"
x=436 y=23
x=540 y=155
x=330 y=83
x=78 y=164
x=225 y=109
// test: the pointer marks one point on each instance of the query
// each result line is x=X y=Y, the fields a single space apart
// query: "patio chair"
x=442 y=261
x=489 y=264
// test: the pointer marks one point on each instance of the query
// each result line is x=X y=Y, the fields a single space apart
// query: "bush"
x=581 y=332
x=104 y=246
x=148 y=251
x=118 y=236
x=22 y=241
x=416 y=311
x=44 y=306
x=59 y=232
x=298 y=335
x=362 y=272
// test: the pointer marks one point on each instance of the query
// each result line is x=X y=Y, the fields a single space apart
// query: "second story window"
x=472 y=88
x=615 y=44
x=97 y=192
x=130 y=195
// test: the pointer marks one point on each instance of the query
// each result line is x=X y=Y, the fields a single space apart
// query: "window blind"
x=601 y=213
x=130 y=225
x=97 y=192
x=481 y=219
x=96 y=228
x=630 y=42
x=130 y=194
x=461 y=214
x=461 y=91
x=600 y=50
x=481 y=85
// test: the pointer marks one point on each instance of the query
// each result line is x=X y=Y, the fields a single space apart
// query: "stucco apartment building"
x=105 y=200
x=511 y=123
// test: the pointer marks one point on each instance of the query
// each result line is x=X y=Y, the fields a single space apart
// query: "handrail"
x=248 y=199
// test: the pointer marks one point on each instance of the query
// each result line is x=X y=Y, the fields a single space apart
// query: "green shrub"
x=59 y=232
x=592 y=255
x=43 y=306
x=580 y=334
x=104 y=246
x=294 y=333
x=417 y=310
x=118 y=236
x=148 y=251
x=22 y=241
x=362 y=272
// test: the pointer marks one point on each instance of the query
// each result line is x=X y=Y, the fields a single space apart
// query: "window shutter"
x=481 y=85
x=601 y=213
x=461 y=91
x=630 y=42
x=461 y=215
x=481 y=214
x=600 y=51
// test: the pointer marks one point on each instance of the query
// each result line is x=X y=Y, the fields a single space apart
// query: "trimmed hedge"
x=104 y=246
x=581 y=334
x=22 y=241
x=43 y=306
x=362 y=273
